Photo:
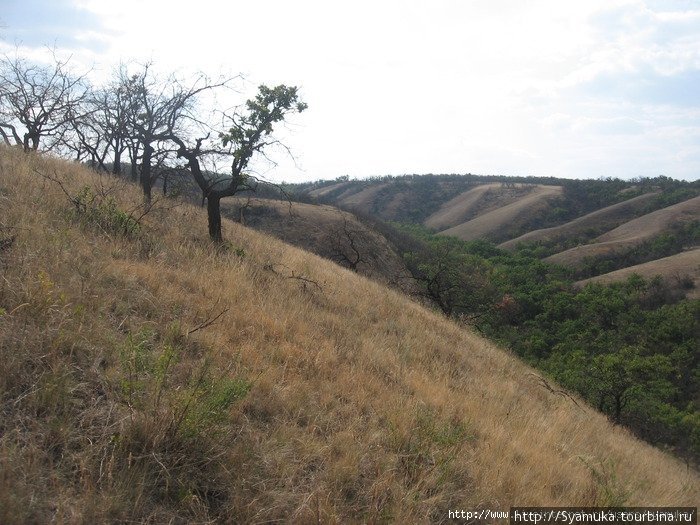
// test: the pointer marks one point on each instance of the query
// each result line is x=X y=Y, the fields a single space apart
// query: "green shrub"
x=176 y=436
x=102 y=212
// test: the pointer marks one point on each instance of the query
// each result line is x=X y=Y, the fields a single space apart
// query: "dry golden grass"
x=599 y=220
x=363 y=406
x=362 y=200
x=325 y=190
x=325 y=231
x=499 y=218
x=631 y=233
x=655 y=222
x=454 y=211
x=673 y=270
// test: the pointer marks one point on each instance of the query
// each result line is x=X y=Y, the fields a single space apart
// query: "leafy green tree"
x=457 y=282
x=625 y=376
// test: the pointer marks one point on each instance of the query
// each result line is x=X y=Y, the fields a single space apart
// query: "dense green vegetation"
x=629 y=349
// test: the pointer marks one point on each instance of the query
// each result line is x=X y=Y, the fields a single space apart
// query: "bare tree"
x=37 y=102
x=158 y=111
x=102 y=133
x=345 y=244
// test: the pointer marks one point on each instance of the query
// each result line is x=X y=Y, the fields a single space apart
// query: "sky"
x=601 y=88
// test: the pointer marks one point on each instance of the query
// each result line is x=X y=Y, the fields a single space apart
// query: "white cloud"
x=492 y=86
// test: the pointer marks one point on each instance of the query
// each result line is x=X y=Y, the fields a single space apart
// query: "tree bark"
x=117 y=166
x=146 y=171
x=214 y=217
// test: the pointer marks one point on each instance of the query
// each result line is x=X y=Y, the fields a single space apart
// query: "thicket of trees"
x=156 y=122
x=629 y=349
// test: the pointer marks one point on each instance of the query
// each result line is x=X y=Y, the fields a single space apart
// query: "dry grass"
x=363 y=406
x=362 y=200
x=502 y=217
x=599 y=220
x=326 y=231
x=325 y=190
x=631 y=233
x=654 y=223
x=674 y=270
x=457 y=209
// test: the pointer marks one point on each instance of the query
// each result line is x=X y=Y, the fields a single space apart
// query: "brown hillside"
x=457 y=209
x=363 y=200
x=599 y=220
x=631 y=233
x=325 y=190
x=674 y=270
x=325 y=231
x=148 y=376
x=491 y=223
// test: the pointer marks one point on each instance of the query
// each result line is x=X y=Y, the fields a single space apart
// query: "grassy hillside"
x=471 y=203
x=597 y=221
x=326 y=231
x=147 y=375
x=499 y=223
x=631 y=233
x=458 y=209
x=682 y=269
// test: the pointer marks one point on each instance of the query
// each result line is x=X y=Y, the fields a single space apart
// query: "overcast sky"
x=552 y=87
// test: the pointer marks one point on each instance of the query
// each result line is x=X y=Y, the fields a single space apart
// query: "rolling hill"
x=326 y=231
x=631 y=233
x=147 y=375
x=679 y=271
x=495 y=223
x=603 y=219
x=456 y=210
x=565 y=221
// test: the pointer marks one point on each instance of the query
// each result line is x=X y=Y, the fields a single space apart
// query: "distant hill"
x=631 y=233
x=459 y=209
x=599 y=220
x=566 y=221
x=500 y=221
x=680 y=271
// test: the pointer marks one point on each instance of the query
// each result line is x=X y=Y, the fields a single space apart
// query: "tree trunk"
x=117 y=166
x=214 y=216
x=618 y=407
x=146 y=172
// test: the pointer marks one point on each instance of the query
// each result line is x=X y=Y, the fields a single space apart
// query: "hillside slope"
x=325 y=190
x=326 y=231
x=603 y=219
x=456 y=210
x=494 y=222
x=631 y=233
x=674 y=270
x=362 y=200
x=147 y=375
